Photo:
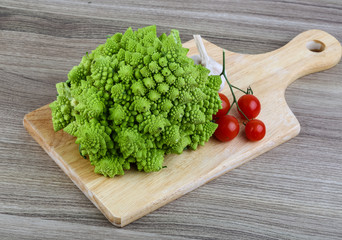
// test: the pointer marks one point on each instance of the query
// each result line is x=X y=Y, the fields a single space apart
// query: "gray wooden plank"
x=35 y=228
x=291 y=192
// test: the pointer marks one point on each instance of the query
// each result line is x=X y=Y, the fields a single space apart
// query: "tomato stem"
x=232 y=86
x=240 y=89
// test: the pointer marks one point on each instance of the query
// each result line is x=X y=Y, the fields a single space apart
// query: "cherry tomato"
x=255 y=130
x=225 y=107
x=228 y=128
x=249 y=105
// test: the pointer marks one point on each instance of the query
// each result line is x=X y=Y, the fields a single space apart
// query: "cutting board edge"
x=69 y=172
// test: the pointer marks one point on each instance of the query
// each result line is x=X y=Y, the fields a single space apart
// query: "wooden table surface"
x=292 y=192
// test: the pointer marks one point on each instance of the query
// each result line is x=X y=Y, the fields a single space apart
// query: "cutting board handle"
x=309 y=52
x=313 y=51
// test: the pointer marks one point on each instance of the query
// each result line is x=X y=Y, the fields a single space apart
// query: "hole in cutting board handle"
x=315 y=46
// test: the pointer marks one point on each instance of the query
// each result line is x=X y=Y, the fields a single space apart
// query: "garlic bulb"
x=206 y=61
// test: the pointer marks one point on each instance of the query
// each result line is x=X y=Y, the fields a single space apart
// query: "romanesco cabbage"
x=134 y=99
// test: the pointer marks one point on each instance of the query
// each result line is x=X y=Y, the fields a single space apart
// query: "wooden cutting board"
x=124 y=199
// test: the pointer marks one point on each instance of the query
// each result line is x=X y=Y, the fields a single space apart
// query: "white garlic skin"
x=214 y=67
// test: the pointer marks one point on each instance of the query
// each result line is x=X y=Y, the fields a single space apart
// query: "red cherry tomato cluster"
x=228 y=126
x=248 y=107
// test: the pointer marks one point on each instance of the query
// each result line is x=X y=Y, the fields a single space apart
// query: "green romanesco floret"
x=134 y=99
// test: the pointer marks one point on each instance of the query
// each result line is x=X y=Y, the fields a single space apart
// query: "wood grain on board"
x=124 y=199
